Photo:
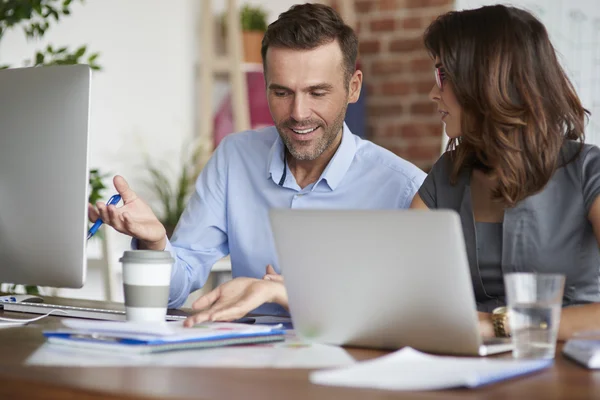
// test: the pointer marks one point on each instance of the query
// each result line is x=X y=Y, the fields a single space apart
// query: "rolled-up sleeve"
x=200 y=238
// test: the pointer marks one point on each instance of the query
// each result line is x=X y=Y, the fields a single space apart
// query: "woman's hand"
x=486 y=327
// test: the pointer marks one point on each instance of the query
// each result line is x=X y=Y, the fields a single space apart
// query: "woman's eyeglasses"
x=440 y=76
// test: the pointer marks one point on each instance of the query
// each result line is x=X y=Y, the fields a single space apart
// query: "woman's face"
x=442 y=93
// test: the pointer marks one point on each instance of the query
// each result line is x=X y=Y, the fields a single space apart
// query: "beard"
x=312 y=150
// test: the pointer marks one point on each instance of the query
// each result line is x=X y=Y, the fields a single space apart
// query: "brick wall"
x=399 y=75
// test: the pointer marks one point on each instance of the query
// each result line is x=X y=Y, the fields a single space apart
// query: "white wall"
x=143 y=101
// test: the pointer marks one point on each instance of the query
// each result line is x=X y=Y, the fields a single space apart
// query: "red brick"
x=395 y=88
x=414 y=130
x=388 y=5
x=420 y=64
x=396 y=63
x=424 y=87
x=427 y=3
x=371 y=89
x=423 y=108
x=371 y=130
x=412 y=23
x=387 y=67
x=402 y=45
x=382 y=25
x=369 y=46
x=380 y=110
x=416 y=152
x=363 y=6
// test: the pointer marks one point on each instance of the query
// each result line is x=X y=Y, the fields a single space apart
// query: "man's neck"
x=307 y=172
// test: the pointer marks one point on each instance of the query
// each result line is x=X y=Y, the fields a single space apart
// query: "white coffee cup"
x=146 y=280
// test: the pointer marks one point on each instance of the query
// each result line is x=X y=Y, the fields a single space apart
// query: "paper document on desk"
x=409 y=369
x=292 y=353
x=585 y=351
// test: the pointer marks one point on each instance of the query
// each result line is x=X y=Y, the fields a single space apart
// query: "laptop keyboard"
x=73 y=311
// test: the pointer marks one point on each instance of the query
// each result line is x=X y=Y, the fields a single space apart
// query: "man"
x=309 y=159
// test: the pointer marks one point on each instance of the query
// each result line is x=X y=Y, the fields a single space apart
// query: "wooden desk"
x=565 y=380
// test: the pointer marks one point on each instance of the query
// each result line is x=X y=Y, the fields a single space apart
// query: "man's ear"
x=354 y=86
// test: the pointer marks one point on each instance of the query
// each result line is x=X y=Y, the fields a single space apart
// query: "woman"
x=516 y=169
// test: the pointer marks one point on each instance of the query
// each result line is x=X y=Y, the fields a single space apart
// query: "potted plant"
x=254 y=26
x=253 y=21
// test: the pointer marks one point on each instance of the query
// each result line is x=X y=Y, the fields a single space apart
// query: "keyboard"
x=78 y=312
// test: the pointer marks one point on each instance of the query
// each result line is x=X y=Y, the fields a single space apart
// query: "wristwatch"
x=500 y=322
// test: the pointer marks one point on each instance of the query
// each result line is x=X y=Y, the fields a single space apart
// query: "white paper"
x=409 y=369
x=585 y=351
x=292 y=353
x=167 y=331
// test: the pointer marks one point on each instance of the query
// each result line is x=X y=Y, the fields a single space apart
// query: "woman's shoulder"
x=577 y=154
x=442 y=168
x=444 y=163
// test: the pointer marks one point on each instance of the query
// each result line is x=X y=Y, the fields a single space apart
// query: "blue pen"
x=113 y=200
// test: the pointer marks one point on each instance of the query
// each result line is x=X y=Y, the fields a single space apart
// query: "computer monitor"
x=44 y=125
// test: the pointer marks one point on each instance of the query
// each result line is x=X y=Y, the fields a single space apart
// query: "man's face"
x=308 y=97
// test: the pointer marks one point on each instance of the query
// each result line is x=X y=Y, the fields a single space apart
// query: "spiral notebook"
x=141 y=338
x=409 y=369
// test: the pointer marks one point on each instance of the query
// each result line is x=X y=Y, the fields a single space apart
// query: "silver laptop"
x=380 y=279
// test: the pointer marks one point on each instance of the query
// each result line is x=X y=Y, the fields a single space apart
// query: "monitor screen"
x=44 y=128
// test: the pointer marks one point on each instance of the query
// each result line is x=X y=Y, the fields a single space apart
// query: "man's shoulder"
x=250 y=142
x=371 y=153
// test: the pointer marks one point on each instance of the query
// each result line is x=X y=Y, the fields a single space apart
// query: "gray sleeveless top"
x=547 y=232
x=489 y=258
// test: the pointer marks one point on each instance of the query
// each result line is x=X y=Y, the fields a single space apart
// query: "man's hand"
x=271 y=275
x=135 y=218
x=236 y=298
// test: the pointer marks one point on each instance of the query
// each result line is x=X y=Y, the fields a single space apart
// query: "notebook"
x=143 y=338
x=409 y=369
x=584 y=348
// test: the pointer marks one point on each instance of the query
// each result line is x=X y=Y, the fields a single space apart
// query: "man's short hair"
x=308 y=26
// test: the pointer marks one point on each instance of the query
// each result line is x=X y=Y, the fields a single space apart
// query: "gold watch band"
x=500 y=322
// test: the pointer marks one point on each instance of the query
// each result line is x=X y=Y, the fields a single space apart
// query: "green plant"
x=97 y=185
x=35 y=18
x=173 y=197
x=253 y=18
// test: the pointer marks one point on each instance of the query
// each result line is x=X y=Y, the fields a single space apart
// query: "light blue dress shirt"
x=228 y=212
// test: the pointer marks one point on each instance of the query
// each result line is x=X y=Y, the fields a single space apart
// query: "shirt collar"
x=336 y=168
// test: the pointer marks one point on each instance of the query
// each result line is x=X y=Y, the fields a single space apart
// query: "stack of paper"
x=149 y=338
x=409 y=369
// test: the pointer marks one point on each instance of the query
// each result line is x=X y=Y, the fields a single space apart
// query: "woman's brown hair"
x=518 y=106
